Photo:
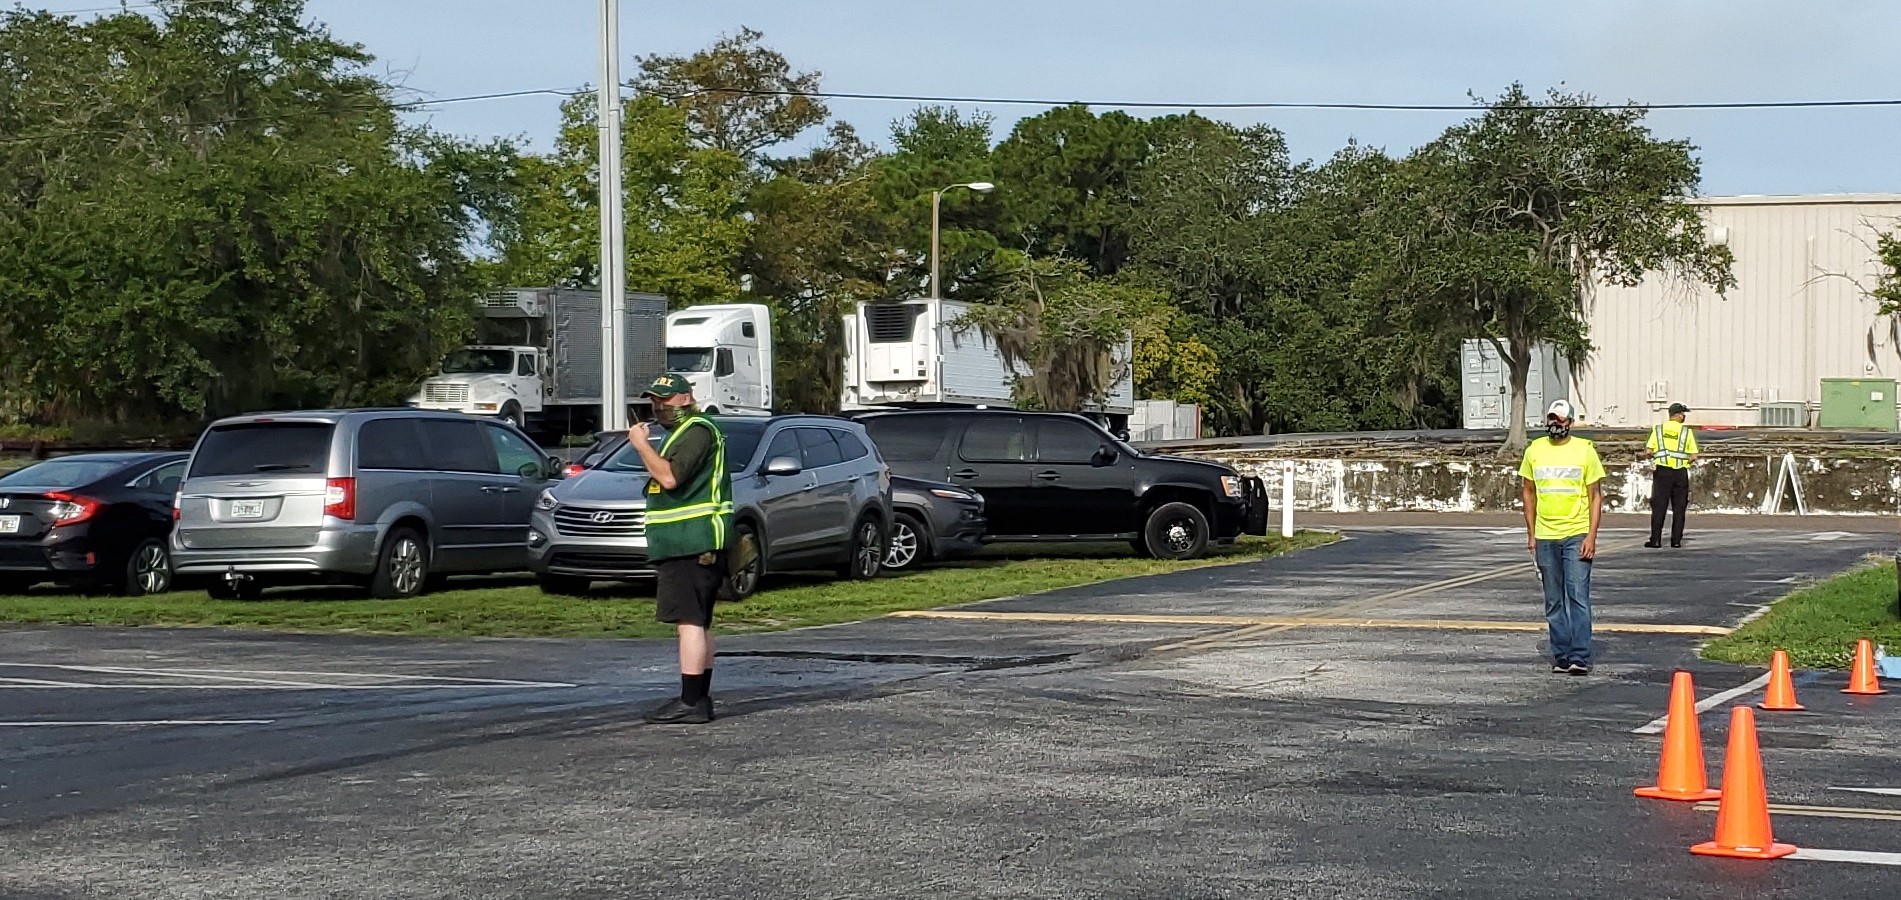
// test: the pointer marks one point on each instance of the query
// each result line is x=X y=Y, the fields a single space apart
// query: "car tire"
x=402 y=569
x=512 y=414
x=866 y=550
x=743 y=581
x=1176 y=531
x=148 y=569
x=220 y=589
x=563 y=585
x=909 y=546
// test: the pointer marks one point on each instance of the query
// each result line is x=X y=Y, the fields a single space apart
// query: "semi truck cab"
x=725 y=352
x=487 y=380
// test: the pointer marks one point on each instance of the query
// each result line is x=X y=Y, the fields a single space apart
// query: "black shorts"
x=687 y=589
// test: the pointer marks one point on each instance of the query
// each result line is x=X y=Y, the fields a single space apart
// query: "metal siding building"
x=1796 y=316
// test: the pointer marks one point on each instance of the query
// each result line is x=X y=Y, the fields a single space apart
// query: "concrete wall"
x=1734 y=484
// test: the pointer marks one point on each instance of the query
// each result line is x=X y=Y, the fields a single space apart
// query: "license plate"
x=247 y=509
x=9 y=524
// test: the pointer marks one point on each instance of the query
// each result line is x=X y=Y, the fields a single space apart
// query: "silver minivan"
x=388 y=499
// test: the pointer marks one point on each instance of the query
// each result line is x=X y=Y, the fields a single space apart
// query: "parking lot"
x=1368 y=719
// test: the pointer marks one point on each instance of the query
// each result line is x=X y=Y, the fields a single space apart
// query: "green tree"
x=685 y=222
x=1066 y=329
x=737 y=95
x=215 y=209
x=1503 y=225
x=820 y=244
x=932 y=148
x=1064 y=184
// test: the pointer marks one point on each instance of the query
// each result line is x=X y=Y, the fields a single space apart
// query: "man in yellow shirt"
x=1673 y=445
x=1564 y=500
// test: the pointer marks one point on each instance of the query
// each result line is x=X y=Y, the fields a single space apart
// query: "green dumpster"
x=1862 y=404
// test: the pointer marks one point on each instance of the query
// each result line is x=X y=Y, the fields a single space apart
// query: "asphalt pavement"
x=1369 y=719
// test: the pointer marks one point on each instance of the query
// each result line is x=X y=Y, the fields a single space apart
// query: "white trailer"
x=725 y=352
x=539 y=363
x=920 y=353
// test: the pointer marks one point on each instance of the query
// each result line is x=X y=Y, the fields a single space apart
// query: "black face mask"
x=1558 y=430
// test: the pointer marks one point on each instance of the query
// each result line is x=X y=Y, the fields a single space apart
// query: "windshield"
x=742 y=439
x=681 y=359
x=61 y=473
x=479 y=362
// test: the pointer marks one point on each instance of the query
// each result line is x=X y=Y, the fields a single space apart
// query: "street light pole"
x=613 y=278
x=937 y=198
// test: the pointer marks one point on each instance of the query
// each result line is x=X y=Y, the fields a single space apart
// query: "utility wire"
x=1272 y=104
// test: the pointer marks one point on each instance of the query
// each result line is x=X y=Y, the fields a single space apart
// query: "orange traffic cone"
x=1780 y=697
x=1861 y=679
x=1680 y=775
x=1742 y=819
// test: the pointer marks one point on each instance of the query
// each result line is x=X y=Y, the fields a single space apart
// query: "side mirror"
x=536 y=471
x=556 y=467
x=781 y=466
x=1105 y=456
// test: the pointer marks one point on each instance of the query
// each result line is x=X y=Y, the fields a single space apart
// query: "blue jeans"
x=1567 y=579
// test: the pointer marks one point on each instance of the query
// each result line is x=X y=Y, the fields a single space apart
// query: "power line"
x=1288 y=104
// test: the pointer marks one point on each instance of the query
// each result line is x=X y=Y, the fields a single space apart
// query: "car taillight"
x=71 y=509
x=339 y=498
x=178 y=503
x=573 y=469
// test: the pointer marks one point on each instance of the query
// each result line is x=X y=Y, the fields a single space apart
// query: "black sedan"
x=931 y=520
x=97 y=520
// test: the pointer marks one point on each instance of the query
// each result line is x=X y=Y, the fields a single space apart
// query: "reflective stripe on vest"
x=1672 y=459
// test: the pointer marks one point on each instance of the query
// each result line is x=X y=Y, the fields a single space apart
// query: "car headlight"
x=952 y=494
x=546 y=500
x=1231 y=485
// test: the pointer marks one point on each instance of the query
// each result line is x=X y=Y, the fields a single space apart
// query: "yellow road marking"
x=1249 y=625
x=1822 y=812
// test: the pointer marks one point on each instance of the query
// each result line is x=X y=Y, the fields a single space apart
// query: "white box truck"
x=725 y=352
x=919 y=353
x=539 y=360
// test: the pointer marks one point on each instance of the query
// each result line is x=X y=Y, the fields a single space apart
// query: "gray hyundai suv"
x=809 y=493
x=388 y=499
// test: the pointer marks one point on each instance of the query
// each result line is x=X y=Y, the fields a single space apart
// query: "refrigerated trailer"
x=921 y=353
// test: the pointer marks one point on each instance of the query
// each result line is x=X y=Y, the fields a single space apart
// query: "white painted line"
x=383 y=675
x=35 y=682
x=1655 y=726
x=161 y=673
x=283 y=687
x=1868 y=857
x=150 y=722
x=1886 y=792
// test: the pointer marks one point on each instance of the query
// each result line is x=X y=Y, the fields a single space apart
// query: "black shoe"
x=678 y=712
x=1653 y=544
x=1560 y=668
x=1676 y=545
x=1578 y=668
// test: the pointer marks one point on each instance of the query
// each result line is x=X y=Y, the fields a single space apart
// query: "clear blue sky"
x=1407 y=51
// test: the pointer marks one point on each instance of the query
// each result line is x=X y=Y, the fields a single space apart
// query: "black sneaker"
x=1653 y=544
x=678 y=712
x=1560 y=668
x=1676 y=545
x=1578 y=668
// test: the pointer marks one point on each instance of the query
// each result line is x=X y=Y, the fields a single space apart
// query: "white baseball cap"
x=1561 y=409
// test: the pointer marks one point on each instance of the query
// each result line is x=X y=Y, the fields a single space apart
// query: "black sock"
x=693 y=688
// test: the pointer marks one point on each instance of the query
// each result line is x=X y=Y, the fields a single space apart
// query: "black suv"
x=1060 y=477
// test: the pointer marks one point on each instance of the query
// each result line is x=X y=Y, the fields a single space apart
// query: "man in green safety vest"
x=689 y=522
x=1672 y=445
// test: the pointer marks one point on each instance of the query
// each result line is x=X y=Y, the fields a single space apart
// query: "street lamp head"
x=981 y=187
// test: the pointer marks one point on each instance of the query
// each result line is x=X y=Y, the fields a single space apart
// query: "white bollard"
x=1287 y=499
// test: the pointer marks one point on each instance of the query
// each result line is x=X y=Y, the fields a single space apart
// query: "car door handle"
x=967 y=473
x=1048 y=476
x=498 y=489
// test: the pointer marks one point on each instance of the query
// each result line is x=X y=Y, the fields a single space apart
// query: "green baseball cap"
x=1676 y=408
x=668 y=385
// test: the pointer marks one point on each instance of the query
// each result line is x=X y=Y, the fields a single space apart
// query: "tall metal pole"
x=936 y=197
x=613 y=235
